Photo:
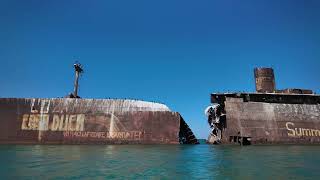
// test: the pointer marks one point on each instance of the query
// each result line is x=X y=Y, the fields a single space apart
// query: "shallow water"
x=158 y=162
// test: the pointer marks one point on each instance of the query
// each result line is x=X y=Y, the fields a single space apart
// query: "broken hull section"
x=268 y=119
x=87 y=121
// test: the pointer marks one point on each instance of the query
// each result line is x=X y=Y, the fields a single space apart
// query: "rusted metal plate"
x=295 y=91
x=265 y=81
x=270 y=122
x=87 y=121
x=268 y=116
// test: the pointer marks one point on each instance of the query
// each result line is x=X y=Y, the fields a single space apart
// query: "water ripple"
x=158 y=162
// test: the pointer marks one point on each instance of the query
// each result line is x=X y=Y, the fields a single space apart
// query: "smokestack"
x=265 y=81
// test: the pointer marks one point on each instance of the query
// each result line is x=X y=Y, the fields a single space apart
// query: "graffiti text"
x=132 y=135
x=72 y=122
x=297 y=132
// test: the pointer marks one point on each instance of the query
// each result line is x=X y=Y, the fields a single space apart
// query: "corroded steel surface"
x=272 y=118
x=295 y=91
x=265 y=81
x=272 y=122
x=268 y=116
x=87 y=121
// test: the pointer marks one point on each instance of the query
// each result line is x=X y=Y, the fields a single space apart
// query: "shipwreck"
x=267 y=116
x=74 y=120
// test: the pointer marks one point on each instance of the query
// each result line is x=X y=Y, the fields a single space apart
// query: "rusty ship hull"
x=268 y=116
x=253 y=118
x=90 y=121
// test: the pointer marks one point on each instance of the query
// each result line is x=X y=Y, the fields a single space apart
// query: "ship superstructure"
x=267 y=116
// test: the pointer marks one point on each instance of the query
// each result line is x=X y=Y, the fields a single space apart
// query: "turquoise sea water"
x=159 y=162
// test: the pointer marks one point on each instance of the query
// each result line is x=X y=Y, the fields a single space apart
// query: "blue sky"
x=174 y=52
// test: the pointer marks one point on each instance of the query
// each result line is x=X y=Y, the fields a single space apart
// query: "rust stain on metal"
x=268 y=117
x=88 y=121
x=265 y=81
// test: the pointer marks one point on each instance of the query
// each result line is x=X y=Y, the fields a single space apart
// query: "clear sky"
x=174 y=52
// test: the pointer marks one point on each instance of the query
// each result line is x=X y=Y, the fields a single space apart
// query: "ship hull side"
x=85 y=121
x=271 y=123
